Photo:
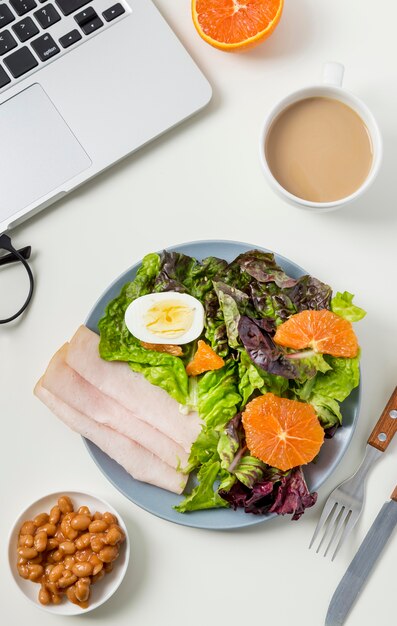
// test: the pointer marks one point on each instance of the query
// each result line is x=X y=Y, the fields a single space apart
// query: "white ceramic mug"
x=330 y=88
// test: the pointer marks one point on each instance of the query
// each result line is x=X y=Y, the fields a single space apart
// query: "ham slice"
x=67 y=385
x=136 y=460
x=130 y=389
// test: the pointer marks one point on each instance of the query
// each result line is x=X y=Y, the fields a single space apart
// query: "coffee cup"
x=354 y=111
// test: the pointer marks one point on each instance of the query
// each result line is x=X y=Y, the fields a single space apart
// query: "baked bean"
x=83 y=541
x=27 y=553
x=35 y=571
x=98 y=526
x=108 y=554
x=26 y=541
x=80 y=522
x=48 y=568
x=41 y=519
x=52 y=543
x=71 y=594
x=48 y=528
x=109 y=518
x=96 y=563
x=56 y=573
x=23 y=570
x=66 y=581
x=37 y=559
x=97 y=515
x=57 y=555
x=44 y=596
x=52 y=587
x=65 y=504
x=97 y=542
x=28 y=528
x=108 y=567
x=21 y=560
x=40 y=541
x=55 y=515
x=83 y=569
x=97 y=577
x=82 y=591
x=84 y=510
x=68 y=562
x=68 y=547
x=83 y=555
x=55 y=598
x=114 y=536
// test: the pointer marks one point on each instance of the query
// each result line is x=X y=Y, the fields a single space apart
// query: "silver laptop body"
x=80 y=108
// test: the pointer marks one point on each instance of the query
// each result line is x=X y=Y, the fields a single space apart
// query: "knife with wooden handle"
x=357 y=573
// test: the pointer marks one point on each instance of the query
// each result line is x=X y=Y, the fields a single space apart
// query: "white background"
x=200 y=181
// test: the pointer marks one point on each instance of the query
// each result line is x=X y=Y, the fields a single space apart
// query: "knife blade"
x=361 y=566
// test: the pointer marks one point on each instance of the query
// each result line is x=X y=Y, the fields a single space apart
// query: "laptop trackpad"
x=38 y=151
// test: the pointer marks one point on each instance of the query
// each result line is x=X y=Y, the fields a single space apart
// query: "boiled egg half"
x=165 y=318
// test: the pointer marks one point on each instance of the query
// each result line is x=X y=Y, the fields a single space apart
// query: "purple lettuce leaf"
x=263 y=267
x=284 y=494
x=310 y=293
x=263 y=351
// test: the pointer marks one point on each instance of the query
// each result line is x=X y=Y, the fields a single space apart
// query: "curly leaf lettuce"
x=342 y=304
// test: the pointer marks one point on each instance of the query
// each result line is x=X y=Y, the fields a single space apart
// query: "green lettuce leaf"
x=203 y=495
x=328 y=411
x=342 y=304
x=252 y=378
x=218 y=396
x=340 y=381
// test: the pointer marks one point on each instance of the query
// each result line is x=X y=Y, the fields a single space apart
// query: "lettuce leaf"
x=328 y=411
x=342 y=304
x=339 y=381
x=203 y=495
x=218 y=397
x=251 y=378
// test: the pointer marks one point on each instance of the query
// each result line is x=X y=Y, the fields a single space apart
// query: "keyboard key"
x=45 y=47
x=20 y=62
x=85 y=16
x=23 y=6
x=69 y=6
x=91 y=27
x=4 y=78
x=70 y=38
x=115 y=11
x=6 y=15
x=25 y=29
x=7 y=42
x=47 y=16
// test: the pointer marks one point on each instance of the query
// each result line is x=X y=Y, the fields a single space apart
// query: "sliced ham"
x=130 y=389
x=136 y=460
x=65 y=383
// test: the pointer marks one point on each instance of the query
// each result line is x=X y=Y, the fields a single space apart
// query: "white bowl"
x=104 y=588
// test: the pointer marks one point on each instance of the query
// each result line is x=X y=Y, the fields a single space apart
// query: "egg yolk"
x=169 y=319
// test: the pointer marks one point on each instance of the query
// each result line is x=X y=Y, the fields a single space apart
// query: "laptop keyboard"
x=33 y=32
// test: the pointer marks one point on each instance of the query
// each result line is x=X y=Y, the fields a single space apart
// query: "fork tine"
x=331 y=525
x=329 y=505
x=350 y=524
x=339 y=525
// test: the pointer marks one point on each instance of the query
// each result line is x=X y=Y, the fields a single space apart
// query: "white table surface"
x=203 y=181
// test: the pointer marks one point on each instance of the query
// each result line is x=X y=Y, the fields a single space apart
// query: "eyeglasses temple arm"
x=11 y=258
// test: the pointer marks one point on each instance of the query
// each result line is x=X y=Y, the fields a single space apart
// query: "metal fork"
x=344 y=505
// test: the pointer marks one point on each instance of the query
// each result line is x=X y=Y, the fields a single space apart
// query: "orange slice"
x=235 y=24
x=204 y=360
x=282 y=433
x=322 y=331
x=163 y=347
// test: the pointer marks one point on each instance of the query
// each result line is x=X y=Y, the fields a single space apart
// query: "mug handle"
x=333 y=74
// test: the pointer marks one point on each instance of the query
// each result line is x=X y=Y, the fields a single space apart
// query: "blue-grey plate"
x=161 y=502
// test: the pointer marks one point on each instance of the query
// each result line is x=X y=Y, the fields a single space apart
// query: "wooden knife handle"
x=386 y=426
x=394 y=495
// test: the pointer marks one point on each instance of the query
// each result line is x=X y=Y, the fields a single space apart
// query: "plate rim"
x=254 y=520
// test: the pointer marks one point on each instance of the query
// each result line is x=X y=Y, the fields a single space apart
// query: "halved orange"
x=322 y=331
x=282 y=433
x=235 y=24
x=204 y=360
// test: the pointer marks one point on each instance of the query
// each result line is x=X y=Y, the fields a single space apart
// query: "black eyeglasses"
x=15 y=256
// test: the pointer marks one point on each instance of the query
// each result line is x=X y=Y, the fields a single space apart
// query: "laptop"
x=82 y=85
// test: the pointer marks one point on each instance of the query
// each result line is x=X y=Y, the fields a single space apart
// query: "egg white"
x=136 y=311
